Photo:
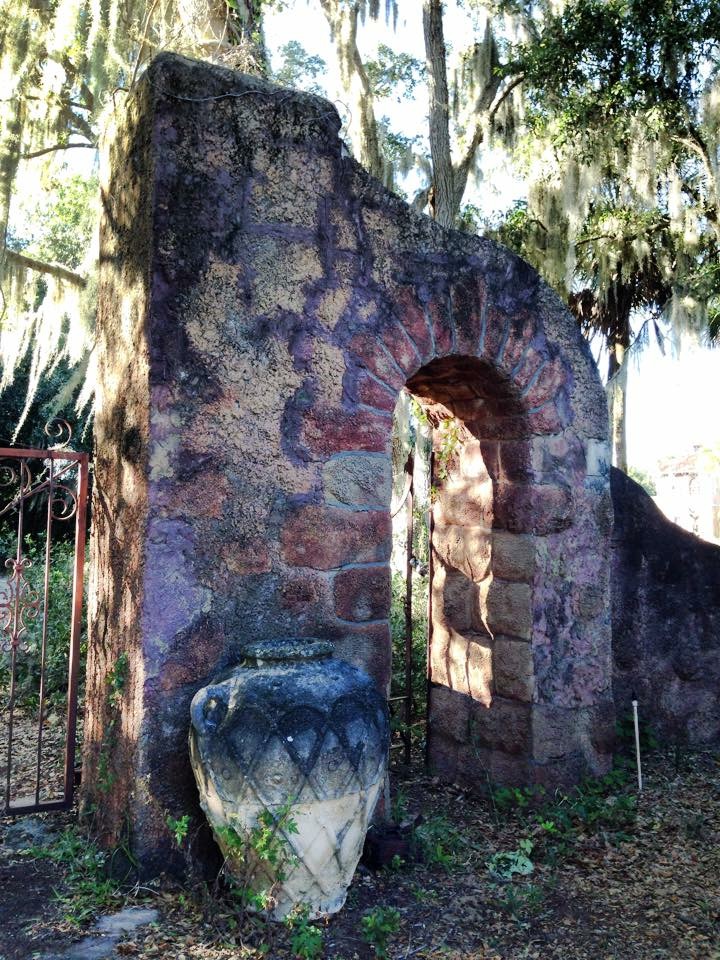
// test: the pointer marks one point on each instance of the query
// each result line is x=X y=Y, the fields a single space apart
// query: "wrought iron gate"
x=402 y=706
x=40 y=620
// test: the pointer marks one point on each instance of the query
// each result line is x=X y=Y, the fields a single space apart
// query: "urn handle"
x=209 y=710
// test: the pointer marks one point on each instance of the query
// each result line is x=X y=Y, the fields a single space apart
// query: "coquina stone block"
x=358 y=480
x=506 y=608
x=513 y=556
x=514 y=669
x=362 y=593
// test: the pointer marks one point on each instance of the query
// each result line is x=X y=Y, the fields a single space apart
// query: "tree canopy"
x=621 y=159
x=607 y=112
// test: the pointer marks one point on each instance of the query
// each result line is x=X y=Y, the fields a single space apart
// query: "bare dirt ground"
x=23 y=771
x=609 y=880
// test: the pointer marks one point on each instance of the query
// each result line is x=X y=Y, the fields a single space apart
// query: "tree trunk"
x=443 y=204
x=231 y=35
x=343 y=18
x=617 y=402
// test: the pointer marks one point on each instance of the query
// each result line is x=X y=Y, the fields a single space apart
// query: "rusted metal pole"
x=43 y=649
x=407 y=739
x=76 y=629
x=15 y=635
x=431 y=572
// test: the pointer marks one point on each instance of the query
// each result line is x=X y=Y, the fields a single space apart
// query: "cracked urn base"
x=289 y=752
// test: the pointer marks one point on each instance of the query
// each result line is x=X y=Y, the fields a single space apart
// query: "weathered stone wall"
x=272 y=299
x=666 y=620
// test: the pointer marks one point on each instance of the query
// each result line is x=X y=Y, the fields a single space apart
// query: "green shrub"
x=520 y=900
x=515 y=798
x=625 y=731
x=419 y=648
x=440 y=842
x=89 y=888
x=602 y=805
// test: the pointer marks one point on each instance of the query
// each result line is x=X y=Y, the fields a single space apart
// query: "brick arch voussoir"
x=427 y=321
x=461 y=317
x=386 y=352
x=468 y=303
x=516 y=346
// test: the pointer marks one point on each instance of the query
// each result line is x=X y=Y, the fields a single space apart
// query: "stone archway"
x=498 y=517
x=262 y=302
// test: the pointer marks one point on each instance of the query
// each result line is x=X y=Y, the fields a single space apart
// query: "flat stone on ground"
x=107 y=932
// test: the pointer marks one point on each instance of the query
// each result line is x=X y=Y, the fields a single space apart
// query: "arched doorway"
x=496 y=520
x=481 y=566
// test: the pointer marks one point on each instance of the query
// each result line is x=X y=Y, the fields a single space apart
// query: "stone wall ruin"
x=666 y=621
x=262 y=302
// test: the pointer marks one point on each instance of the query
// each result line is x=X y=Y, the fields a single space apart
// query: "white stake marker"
x=637 y=744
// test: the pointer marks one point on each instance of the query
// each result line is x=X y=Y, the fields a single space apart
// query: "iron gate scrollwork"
x=40 y=491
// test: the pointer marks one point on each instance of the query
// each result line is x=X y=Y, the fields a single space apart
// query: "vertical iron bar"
x=10 y=728
x=15 y=639
x=431 y=572
x=78 y=572
x=410 y=466
x=46 y=603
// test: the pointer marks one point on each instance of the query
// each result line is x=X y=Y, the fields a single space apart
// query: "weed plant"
x=606 y=805
x=178 y=827
x=377 y=926
x=88 y=889
x=306 y=940
x=259 y=857
x=115 y=683
x=507 y=863
x=440 y=843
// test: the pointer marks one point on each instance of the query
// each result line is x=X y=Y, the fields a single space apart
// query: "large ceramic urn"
x=293 y=743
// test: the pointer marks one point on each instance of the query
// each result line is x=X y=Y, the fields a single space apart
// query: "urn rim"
x=288 y=648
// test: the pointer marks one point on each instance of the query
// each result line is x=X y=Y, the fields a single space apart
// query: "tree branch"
x=82 y=127
x=696 y=144
x=444 y=206
x=515 y=82
x=538 y=223
x=143 y=42
x=342 y=19
x=487 y=105
x=662 y=224
x=57 y=146
x=708 y=211
x=482 y=105
x=88 y=95
x=41 y=266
